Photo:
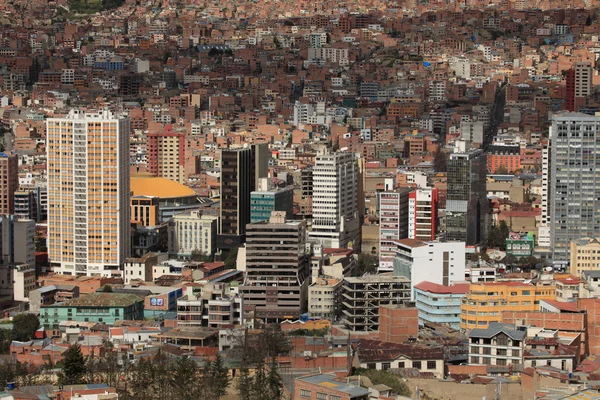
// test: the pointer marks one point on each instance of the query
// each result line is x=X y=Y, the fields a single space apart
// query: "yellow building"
x=485 y=302
x=585 y=255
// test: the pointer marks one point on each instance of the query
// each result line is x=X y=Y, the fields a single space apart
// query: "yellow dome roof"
x=150 y=185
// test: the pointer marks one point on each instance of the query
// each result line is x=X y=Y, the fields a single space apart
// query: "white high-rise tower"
x=88 y=193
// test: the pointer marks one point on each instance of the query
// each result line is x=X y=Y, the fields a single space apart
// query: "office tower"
x=25 y=204
x=423 y=214
x=263 y=202
x=166 y=155
x=570 y=89
x=467 y=203
x=583 y=79
x=335 y=214
x=574 y=185
x=88 y=193
x=393 y=225
x=277 y=268
x=544 y=230
x=9 y=181
x=306 y=191
x=192 y=231
x=241 y=170
x=18 y=240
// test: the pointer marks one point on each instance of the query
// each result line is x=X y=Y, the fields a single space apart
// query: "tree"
x=24 y=327
x=142 y=377
x=497 y=236
x=367 y=264
x=74 y=366
x=219 y=377
x=385 y=378
x=231 y=259
x=106 y=288
x=184 y=381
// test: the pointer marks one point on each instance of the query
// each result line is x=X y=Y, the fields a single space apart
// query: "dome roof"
x=150 y=185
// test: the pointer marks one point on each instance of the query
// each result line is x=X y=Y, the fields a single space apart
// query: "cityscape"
x=300 y=200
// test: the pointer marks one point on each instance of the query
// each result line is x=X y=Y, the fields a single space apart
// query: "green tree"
x=231 y=259
x=386 y=378
x=24 y=327
x=74 y=366
x=367 y=264
x=497 y=236
x=245 y=382
x=219 y=377
x=184 y=381
x=142 y=378
x=106 y=288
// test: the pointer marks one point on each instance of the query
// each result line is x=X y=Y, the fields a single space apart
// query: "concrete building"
x=17 y=281
x=497 y=344
x=95 y=307
x=438 y=262
x=467 y=204
x=583 y=79
x=18 y=241
x=439 y=303
x=141 y=268
x=277 y=268
x=362 y=297
x=485 y=302
x=241 y=170
x=584 y=255
x=166 y=155
x=192 y=231
x=9 y=182
x=327 y=386
x=145 y=209
x=393 y=224
x=423 y=214
x=323 y=298
x=335 y=201
x=574 y=187
x=265 y=200
x=88 y=193
x=216 y=305
x=51 y=294
x=25 y=205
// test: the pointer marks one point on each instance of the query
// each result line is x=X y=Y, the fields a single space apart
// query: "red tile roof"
x=461 y=288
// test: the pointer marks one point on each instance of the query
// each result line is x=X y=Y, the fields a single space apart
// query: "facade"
x=262 y=202
x=519 y=246
x=323 y=298
x=141 y=268
x=584 y=255
x=497 y=344
x=442 y=263
x=335 y=201
x=583 y=79
x=166 y=155
x=241 y=170
x=192 y=231
x=485 y=302
x=277 y=268
x=9 y=182
x=51 y=294
x=145 y=209
x=439 y=303
x=393 y=224
x=466 y=203
x=214 y=306
x=18 y=241
x=362 y=297
x=575 y=189
x=95 y=307
x=88 y=193
x=25 y=204
x=423 y=214
x=173 y=197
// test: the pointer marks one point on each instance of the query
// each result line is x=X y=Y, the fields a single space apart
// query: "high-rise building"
x=467 y=204
x=277 y=268
x=335 y=206
x=192 y=231
x=88 y=193
x=583 y=79
x=9 y=182
x=25 y=204
x=265 y=200
x=17 y=241
x=574 y=187
x=423 y=214
x=241 y=170
x=166 y=155
x=570 y=89
x=393 y=225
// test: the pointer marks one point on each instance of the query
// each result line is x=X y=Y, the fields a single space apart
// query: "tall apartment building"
x=241 y=170
x=467 y=204
x=393 y=224
x=574 y=185
x=362 y=297
x=277 y=268
x=166 y=155
x=88 y=193
x=423 y=214
x=25 y=204
x=335 y=201
x=9 y=182
x=583 y=79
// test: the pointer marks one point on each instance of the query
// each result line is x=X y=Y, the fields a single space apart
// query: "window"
x=431 y=364
x=401 y=364
x=321 y=396
x=304 y=393
x=502 y=340
x=416 y=364
x=385 y=365
x=474 y=360
x=334 y=397
x=371 y=366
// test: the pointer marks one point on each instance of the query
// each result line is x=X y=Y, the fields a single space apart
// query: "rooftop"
x=461 y=288
x=150 y=185
x=101 y=299
x=330 y=381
